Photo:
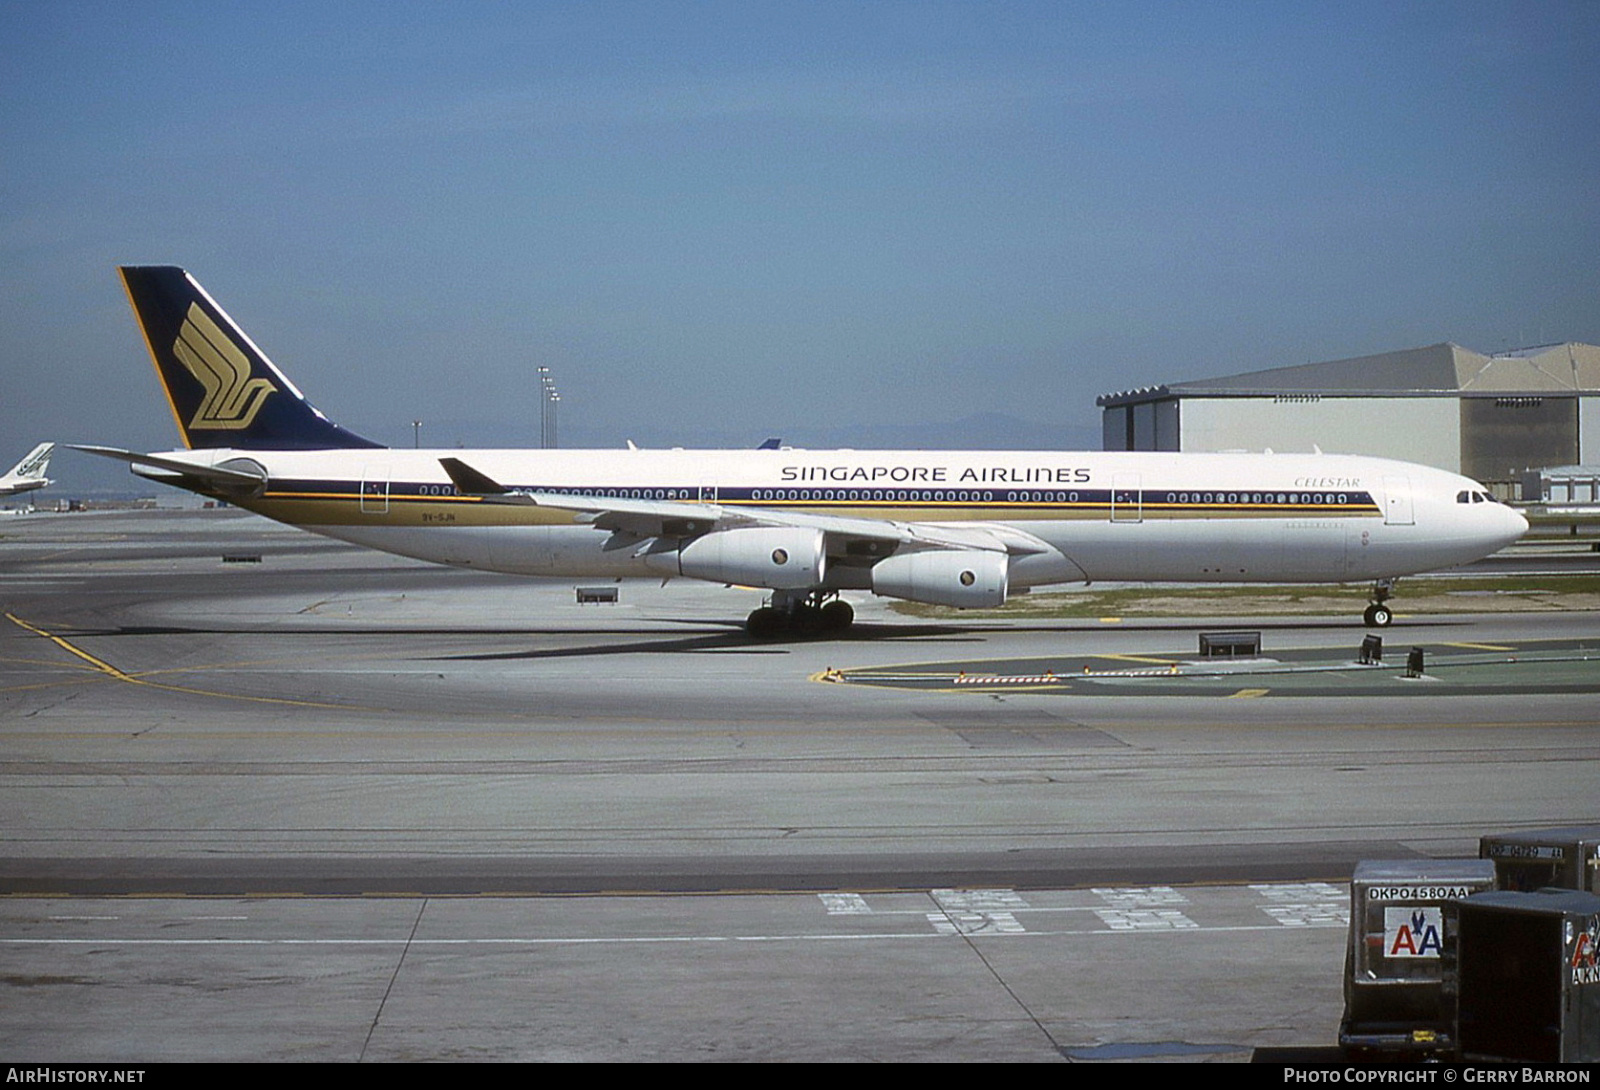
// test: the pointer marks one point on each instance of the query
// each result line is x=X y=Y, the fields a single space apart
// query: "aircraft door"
x=1397 y=510
x=1127 y=499
x=375 y=490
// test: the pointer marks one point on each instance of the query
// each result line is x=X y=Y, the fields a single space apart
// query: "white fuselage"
x=1087 y=516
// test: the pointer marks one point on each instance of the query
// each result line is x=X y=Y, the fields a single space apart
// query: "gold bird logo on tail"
x=232 y=397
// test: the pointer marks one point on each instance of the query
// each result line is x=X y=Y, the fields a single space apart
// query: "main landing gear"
x=1377 y=613
x=800 y=613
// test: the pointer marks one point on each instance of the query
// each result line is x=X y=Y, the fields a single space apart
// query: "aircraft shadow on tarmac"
x=730 y=634
x=737 y=642
x=729 y=637
x=734 y=643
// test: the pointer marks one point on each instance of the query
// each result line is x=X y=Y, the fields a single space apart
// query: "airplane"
x=954 y=528
x=29 y=473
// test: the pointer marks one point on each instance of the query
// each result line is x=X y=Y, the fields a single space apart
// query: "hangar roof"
x=1437 y=370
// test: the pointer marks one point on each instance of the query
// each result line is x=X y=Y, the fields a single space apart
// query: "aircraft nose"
x=1517 y=524
x=1498 y=525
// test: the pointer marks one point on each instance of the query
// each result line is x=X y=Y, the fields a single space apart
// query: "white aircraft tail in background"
x=29 y=473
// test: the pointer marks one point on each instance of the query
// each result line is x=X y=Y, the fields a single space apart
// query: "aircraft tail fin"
x=35 y=465
x=223 y=390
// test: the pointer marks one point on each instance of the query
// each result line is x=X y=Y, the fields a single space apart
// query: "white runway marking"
x=977 y=900
x=1306 y=904
x=1312 y=915
x=1146 y=919
x=1141 y=897
x=1301 y=892
x=975 y=923
x=845 y=904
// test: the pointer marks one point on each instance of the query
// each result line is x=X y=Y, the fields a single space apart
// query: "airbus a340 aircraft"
x=29 y=473
x=957 y=528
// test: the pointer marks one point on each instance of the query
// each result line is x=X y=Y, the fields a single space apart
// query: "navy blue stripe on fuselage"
x=1150 y=501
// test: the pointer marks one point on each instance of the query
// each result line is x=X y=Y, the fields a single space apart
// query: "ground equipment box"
x=1395 y=999
x=1524 y=967
x=1214 y=645
x=1564 y=858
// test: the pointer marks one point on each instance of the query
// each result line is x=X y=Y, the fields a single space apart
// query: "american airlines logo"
x=232 y=397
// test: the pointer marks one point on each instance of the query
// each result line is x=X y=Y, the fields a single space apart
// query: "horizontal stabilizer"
x=232 y=477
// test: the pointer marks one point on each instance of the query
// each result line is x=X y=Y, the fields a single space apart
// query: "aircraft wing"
x=634 y=518
x=220 y=475
x=676 y=518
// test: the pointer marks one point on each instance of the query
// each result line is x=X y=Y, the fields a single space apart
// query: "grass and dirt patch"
x=1443 y=594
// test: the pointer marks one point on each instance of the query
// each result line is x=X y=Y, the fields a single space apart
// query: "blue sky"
x=721 y=221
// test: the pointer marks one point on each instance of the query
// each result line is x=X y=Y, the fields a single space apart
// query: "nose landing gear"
x=1378 y=614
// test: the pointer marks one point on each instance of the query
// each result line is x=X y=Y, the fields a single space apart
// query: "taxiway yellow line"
x=98 y=664
x=120 y=675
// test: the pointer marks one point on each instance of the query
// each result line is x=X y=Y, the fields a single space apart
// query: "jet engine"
x=966 y=578
x=777 y=557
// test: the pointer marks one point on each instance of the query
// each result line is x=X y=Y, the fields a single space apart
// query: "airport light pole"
x=548 y=400
x=416 y=434
x=544 y=407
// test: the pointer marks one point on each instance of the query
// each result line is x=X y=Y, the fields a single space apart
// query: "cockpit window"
x=1463 y=497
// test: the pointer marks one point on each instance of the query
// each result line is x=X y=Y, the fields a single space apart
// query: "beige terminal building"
x=1492 y=418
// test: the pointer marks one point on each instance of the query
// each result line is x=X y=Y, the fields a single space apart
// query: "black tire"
x=837 y=616
x=1377 y=616
x=765 y=623
x=807 y=621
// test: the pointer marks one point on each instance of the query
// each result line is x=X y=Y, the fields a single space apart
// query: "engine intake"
x=777 y=558
x=966 y=578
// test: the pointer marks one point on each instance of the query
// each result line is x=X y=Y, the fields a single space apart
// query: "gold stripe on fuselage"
x=344 y=508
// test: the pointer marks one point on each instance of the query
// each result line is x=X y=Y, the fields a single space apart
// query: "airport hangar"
x=1491 y=418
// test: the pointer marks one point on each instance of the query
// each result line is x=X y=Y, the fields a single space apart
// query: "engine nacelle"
x=775 y=557
x=967 y=578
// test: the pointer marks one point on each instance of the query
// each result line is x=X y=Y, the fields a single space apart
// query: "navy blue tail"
x=223 y=391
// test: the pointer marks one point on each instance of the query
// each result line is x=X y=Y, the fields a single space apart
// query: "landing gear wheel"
x=837 y=616
x=800 y=614
x=1377 y=614
x=765 y=623
x=807 y=621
